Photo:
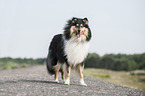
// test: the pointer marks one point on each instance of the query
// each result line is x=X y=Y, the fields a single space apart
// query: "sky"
x=27 y=26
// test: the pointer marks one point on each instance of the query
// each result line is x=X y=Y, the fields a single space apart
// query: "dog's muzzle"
x=78 y=33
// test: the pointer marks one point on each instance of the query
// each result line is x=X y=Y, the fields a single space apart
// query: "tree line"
x=116 y=61
x=109 y=61
x=12 y=63
x=30 y=61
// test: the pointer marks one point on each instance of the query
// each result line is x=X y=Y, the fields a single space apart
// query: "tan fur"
x=79 y=69
x=73 y=30
x=57 y=68
x=84 y=34
x=84 y=31
x=68 y=73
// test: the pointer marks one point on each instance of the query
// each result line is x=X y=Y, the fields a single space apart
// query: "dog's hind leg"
x=62 y=75
x=57 y=68
x=79 y=68
x=63 y=72
x=67 y=73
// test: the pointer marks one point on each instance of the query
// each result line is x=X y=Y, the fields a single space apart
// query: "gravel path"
x=34 y=81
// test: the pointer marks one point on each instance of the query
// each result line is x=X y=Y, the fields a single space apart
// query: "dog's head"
x=79 y=27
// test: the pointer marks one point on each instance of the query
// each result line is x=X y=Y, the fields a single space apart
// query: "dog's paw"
x=83 y=83
x=56 y=81
x=67 y=81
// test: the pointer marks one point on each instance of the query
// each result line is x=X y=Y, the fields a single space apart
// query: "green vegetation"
x=10 y=65
x=128 y=79
x=116 y=62
x=13 y=63
x=123 y=66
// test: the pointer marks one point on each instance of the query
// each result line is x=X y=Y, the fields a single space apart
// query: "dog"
x=69 y=50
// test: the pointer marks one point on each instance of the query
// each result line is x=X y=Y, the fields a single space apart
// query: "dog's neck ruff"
x=76 y=50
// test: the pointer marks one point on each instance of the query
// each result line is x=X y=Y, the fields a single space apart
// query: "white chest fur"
x=76 y=51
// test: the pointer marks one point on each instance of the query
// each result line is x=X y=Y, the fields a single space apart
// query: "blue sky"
x=27 y=26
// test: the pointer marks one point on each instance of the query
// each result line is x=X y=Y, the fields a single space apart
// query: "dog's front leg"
x=67 y=76
x=80 y=71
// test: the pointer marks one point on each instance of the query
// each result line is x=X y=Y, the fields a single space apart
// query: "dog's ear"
x=85 y=20
x=74 y=19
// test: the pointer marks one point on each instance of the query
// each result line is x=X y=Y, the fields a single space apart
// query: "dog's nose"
x=79 y=31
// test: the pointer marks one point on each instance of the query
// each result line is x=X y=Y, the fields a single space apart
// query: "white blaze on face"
x=76 y=50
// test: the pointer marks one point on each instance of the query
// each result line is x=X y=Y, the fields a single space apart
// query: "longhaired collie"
x=69 y=50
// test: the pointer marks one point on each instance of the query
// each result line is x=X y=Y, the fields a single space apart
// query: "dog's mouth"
x=78 y=33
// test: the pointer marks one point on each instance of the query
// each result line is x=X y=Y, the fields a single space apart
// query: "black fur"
x=56 y=53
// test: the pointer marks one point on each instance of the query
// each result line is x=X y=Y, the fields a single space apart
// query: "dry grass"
x=118 y=77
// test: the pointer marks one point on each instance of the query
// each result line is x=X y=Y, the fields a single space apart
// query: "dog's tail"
x=52 y=54
x=50 y=62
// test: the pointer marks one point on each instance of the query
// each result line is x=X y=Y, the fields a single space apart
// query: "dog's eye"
x=77 y=25
x=81 y=26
